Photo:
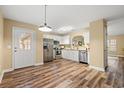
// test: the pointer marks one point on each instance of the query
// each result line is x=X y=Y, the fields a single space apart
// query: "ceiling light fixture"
x=45 y=27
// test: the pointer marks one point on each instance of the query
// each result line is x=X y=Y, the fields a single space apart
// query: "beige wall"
x=8 y=24
x=1 y=43
x=119 y=43
x=97 y=33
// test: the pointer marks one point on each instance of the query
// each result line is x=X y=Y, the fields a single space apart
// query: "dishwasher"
x=83 y=56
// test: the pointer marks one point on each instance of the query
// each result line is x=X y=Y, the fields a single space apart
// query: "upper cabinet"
x=61 y=39
x=54 y=37
x=48 y=36
x=57 y=38
x=65 y=39
x=86 y=36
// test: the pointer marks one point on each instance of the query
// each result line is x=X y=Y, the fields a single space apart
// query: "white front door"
x=23 y=47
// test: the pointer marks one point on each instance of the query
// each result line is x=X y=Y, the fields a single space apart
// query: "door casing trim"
x=14 y=27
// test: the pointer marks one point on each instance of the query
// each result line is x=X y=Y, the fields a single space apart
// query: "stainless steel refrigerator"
x=47 y=49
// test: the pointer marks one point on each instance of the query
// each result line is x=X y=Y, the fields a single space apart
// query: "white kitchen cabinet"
x=86 y=37
x=57 y=38
x=65 y=39
x=62 y=39
x=54 y=37
x=71 y=55
x=48 y=36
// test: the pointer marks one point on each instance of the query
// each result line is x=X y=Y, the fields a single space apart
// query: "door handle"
x=15 y=50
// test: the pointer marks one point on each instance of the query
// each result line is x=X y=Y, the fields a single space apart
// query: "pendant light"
x=45 y=27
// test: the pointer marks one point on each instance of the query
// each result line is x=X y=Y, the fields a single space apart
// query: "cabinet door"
x=63 y=54
x=65 y=39
x=47 y=36
x=75 y=56
x=86 y=37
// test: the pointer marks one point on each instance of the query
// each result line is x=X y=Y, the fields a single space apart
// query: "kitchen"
x=73 y=52
x=69 y=45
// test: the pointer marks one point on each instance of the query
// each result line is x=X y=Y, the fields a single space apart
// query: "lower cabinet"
x=71 y=55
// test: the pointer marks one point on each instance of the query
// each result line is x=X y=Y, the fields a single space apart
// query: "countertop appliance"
x=47 y=49
x=83 y=56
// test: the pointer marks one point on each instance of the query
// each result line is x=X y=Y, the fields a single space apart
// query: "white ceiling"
x=60 y=16
x=116 y=27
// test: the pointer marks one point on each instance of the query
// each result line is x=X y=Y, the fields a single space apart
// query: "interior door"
x=23 y=47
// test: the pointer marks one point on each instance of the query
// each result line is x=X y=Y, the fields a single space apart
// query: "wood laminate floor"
x=65 y=74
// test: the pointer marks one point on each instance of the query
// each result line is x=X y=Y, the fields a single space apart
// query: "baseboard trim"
x=1 y=76
x=8 y=70
x=11 y=69
x=4 y=71
x=97 y=68
x=37 y=64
